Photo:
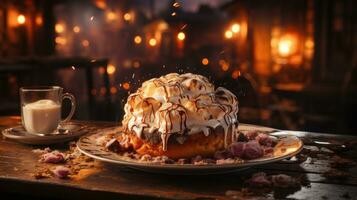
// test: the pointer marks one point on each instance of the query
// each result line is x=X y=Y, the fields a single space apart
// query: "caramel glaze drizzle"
x=219 y=98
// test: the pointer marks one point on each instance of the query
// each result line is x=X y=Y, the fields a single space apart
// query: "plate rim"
x=132 y=164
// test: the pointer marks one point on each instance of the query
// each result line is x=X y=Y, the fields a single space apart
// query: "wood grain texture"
x=18 y=163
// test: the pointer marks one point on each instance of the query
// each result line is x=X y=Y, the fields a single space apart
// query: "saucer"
x=65 y=132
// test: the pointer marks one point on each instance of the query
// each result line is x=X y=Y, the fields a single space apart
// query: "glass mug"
x=41 y=108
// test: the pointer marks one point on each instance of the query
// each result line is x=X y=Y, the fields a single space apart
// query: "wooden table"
x=18 y=162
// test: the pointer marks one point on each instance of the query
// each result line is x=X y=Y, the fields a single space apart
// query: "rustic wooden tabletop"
x=326 y=168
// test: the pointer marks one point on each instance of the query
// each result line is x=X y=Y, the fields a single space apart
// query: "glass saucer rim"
x=9 y=132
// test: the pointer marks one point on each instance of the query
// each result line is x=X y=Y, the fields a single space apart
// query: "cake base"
x=195 y=144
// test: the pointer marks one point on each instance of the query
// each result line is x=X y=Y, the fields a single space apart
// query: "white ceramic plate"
x=66 y=132
x=91 y=146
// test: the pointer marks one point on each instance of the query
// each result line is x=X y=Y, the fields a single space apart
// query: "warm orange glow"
x=101 y=70
x=101 y=4
x=224 y=65
x=287 y=45
x=152 y=42
x=38 y=20
x=137 y=39
x=127 y=16
x=228 y=34
x=235 y=74
x=60 y=40
x=205 y=61
x=126 y=86
x=112 y=16
x=85 y=43
x=235 y=28
x=284 y=47
x=309 y=44
x=113 y=90
x=173 y=14
x=136 y=64
x=21 y=19
x=181 y=36
x=59 y=28
x=76 y=29
x=111 y=69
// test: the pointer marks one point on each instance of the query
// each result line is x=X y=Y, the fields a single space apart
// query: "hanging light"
x=228 y=34
x=76 y=29
x=287 y=45
x=111 y=69
x=235 y=28
x=21 y=19
x=137 y=39
x=181 y=36
x=205 y=61
x=111 y=16
x=59 y=28
x=152 y=42
x=127 y=17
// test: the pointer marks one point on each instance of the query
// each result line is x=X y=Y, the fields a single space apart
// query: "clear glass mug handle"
x=73 y=105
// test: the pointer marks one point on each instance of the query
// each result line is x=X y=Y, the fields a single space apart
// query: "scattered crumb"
x=42 y=173
x=42 y=151
x=309 y=160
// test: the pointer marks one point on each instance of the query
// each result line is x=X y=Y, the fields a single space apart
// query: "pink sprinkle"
x=61 y=171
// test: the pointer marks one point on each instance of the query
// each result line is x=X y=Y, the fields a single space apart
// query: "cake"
x=179 y=116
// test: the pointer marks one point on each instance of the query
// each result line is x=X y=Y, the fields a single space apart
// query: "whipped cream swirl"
x=179 y=103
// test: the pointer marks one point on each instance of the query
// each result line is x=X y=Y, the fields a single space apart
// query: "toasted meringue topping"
x=178 y=103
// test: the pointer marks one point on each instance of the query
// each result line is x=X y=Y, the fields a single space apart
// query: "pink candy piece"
x=282 y=180
x=238 y=149
x=251 y=134
x=259 y=179
x=264 y=139
x=253 y=150
x=52 y=157
x=61 y=171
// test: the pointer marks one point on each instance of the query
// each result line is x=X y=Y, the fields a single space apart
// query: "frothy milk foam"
x=42 y=116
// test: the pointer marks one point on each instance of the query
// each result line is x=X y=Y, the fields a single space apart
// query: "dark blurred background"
x=292 y=63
